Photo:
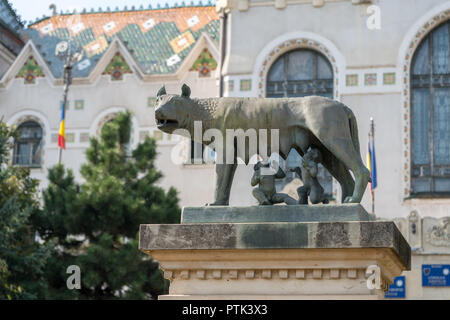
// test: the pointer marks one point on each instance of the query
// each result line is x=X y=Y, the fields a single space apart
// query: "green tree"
x=22 y=259
x=96 y=223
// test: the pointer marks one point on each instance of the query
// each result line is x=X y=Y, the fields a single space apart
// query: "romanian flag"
x=62 y=129
x=371 y=163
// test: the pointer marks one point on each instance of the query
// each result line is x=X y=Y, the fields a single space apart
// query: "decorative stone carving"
x=425 y=235
x=30 y=71
x=117 y=67
x=233 y=274
x=352 y=273
x=300 y=274
x=168 y=275
x=439 y=234
x=267 y=274
x=217 y=274
x=283 y=274
x=317 y=273
x=204 y=64
x=184 y=274
x=200 y=274
x=334 y=274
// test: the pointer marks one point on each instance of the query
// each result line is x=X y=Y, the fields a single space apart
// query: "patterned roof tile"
x=158 y=39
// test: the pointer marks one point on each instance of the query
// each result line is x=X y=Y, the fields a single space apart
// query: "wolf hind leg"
x=338 y=170
x=344 y=150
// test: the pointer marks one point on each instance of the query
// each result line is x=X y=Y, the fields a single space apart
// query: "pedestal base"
x=298 y=260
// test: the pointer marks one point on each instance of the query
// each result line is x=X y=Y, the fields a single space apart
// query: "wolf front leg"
x=224 y=180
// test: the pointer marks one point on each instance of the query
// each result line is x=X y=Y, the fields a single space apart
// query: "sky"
x=30 y=10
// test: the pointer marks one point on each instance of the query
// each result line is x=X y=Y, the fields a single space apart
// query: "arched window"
x=301 y=73
x=430 y=114
x=28 y=145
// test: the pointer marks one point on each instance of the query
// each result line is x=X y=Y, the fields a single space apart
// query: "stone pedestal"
x=274 y=260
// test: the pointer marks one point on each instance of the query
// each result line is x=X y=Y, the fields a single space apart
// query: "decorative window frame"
x=410 y=43
x=300 y=40
x=32 y=115
x=293 y=41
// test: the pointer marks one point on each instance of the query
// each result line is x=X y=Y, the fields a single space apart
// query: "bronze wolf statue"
x=312 y=121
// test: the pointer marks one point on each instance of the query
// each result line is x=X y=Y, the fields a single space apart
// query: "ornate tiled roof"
x=158 y=39
x=9 y=16
x=10 y=25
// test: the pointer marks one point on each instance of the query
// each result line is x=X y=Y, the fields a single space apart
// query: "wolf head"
x=173 y=111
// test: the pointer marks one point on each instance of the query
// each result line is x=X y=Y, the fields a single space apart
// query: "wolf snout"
x=158 y=114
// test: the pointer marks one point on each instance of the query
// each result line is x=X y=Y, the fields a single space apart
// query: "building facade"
x=126 y=57
x=386 y=59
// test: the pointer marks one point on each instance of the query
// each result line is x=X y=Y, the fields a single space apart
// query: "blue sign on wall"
x=397 y=289
x=436 y=275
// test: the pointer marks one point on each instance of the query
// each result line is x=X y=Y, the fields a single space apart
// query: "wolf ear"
x=161 y=91
x=185 y=91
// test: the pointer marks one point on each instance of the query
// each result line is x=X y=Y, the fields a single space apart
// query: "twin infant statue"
x=265 y=176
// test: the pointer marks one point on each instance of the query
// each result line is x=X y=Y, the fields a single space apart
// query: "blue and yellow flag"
x=371 y=163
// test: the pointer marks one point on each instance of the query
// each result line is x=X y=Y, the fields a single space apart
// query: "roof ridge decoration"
x=117 y=67
x=30 y=71
x=208 y=3
x=204 y=64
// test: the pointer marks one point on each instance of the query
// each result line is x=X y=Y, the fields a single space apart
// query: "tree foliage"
x=22 y=259
x=95 y=224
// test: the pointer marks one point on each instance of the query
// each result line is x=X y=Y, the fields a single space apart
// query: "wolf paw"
x=350 y=200
x=215 y=204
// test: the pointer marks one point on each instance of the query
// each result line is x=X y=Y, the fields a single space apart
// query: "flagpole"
x=67 y=81
x=67 y=75
x=373 y=201
x=371 y=138
x=59 y=155
x=70 y=59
